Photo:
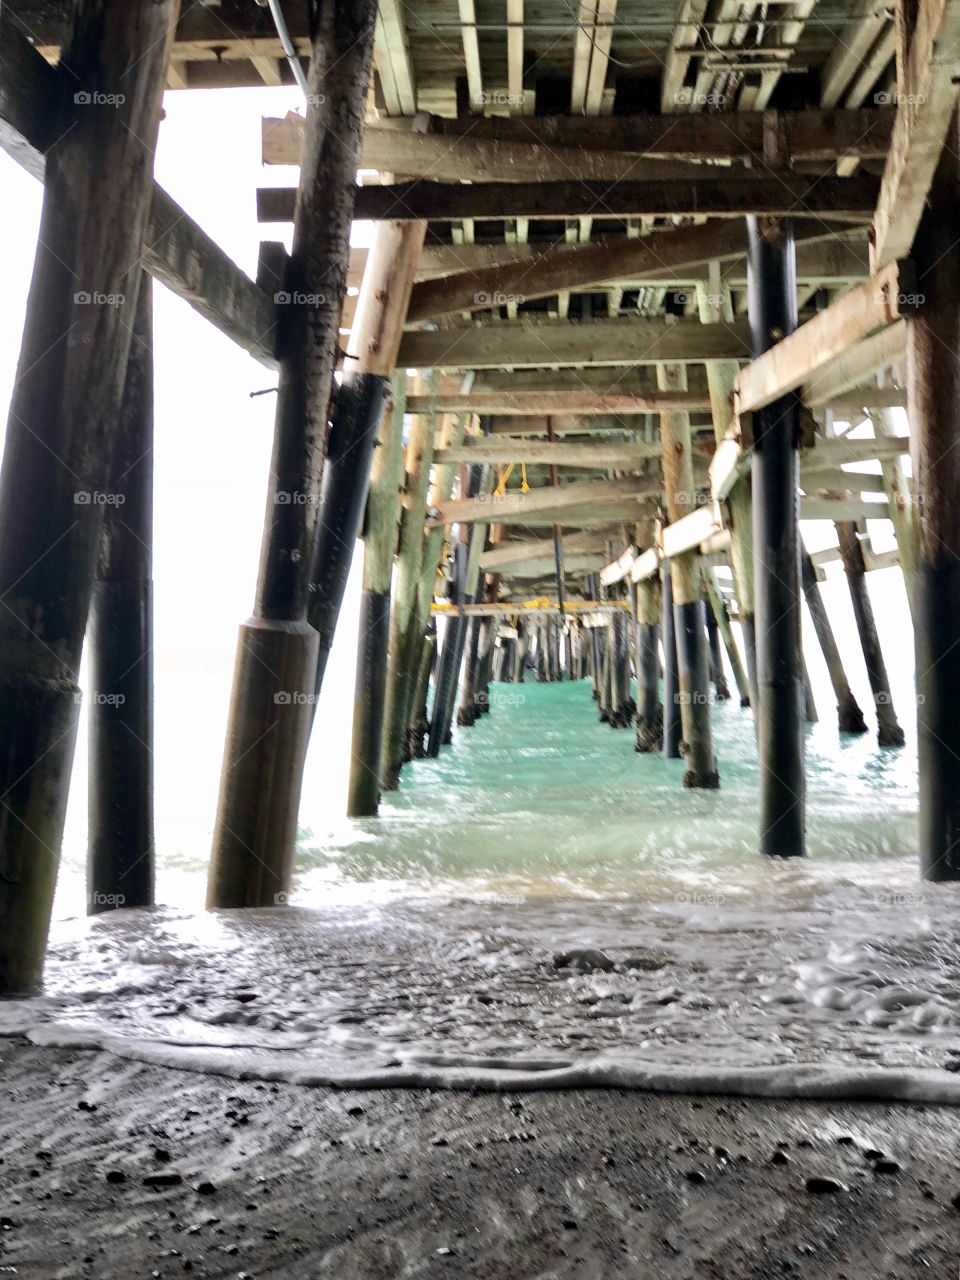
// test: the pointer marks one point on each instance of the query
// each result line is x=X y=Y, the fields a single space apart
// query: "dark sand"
x=319 y=1183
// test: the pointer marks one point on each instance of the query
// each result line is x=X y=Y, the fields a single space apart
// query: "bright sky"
x=211 y=464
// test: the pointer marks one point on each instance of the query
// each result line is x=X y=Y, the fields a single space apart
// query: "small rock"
x=445 y=1252
x=586 y=960
x=695 y=1176
x=845 y=1140
x=824 y=1186
x=162 y=1180
x=161 y=1155
x=355 y=1110
x=116 y=1175
x=872 y=1153
x=570 y=1224
x=779 y=1157
x=886 y=1166
x=206 y=1189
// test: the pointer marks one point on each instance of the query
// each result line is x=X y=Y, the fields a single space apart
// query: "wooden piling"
x=405 y=643
x=772 y=291
x=120 y=850
x=849 y=716
x=933 y=344
x=274 y=687
x=691 y=641
x=371 y=355
x=445 y=692
x=419 y=724
x=715 y=305
x=717 y=606
x=380 y=536
x=63 y=423
x=889 y=732
x=672 y=729
x=718 y=677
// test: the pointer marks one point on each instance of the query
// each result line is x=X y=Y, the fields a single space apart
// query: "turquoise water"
x=540 y=798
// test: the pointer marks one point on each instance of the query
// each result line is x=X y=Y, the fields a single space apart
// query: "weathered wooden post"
x=649 y=708
x=371 y=355
x=445 y=693
x=933 y=351
x=120 y=853
x=717 y=675
x=383 y=508
x=275 y=677
x=419 y=724
x=772 y=295
x=672 y=729
x=692 y=661
x=889 y=733
x=849 y=716
x=717 y=606
x=63 y=423
x=715 y=305
x=809 y=702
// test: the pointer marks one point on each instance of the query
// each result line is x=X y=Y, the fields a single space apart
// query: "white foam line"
x=813 y=1082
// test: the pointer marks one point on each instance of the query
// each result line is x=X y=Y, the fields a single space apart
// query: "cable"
x=289 y=48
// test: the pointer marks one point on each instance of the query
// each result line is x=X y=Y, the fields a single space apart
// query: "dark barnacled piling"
x=120 y=854
x=64 y=420
x=717 y=676
x=933 y=366
x=276 y=673
x=889 y=733
x=671 y=686
x=849 y=716
x=772 y=289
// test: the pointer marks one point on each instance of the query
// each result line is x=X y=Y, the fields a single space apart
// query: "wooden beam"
x=471 y=58
x=509 y=555
x=674 y=96
x=176 y=251
x=545 y=147
x=728 y=196
x=854 y=367
x=545 y=501
x=537 y=403
x=812 y=347
x=620 y=457
x=559 y=343
x=393 y=61
x=927 y=93
x=586 y=265
x=850 y=52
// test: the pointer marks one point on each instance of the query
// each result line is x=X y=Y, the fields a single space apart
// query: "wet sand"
x=273 y=1180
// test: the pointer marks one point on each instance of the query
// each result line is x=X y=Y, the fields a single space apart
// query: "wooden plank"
x=854 y=367
x=850 y=52
x=393 y=61
x=646 y=565
x=674 y=96
x=927 y=92
x=558 y=343
x=538 y=403
x=729 y=462
x=728 y=196
x=619 y=569
x=559 y=145
x=811 y=348
x=687 y=533
x=815 y=479
x=850 y=508
x=471 y=58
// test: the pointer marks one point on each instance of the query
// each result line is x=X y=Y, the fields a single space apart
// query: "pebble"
x=116 y=1175
x=886 y=1166
x=162 y=1180
x=824 y=1186
x=779 y=1157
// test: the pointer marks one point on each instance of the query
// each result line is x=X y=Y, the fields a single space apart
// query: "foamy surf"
x=828 y=997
